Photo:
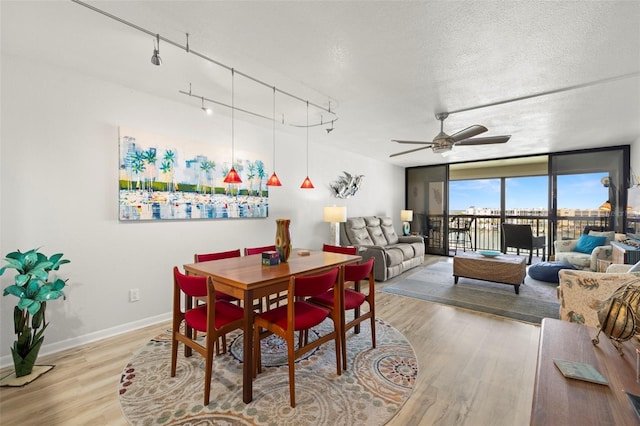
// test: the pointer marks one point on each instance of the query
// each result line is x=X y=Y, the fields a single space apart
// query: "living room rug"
x=537 y=299
x=377 y=383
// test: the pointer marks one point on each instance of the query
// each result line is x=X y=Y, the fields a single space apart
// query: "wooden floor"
x=473 y=370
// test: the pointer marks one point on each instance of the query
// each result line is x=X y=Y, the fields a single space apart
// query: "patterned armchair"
x=581 y=293
x=565 y=251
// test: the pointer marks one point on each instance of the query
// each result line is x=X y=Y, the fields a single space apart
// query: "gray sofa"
x=376 y=237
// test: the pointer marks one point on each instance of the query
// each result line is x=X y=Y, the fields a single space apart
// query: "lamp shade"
x=335 y=214
x=306 y=184
x=605 y=207
x=232 y=177
x=273 y=180
x=406 y=215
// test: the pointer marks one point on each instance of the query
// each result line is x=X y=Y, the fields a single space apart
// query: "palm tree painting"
x=189 y=180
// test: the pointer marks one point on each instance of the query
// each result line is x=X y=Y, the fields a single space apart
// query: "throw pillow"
x=587 y=243
x=635 y=268
x=610 y=235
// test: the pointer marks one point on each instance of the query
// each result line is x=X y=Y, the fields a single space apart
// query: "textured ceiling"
x=387 y=67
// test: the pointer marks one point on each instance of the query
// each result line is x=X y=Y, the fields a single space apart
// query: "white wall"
x=58 y=191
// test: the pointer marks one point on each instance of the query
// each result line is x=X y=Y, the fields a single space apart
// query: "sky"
x=581 y=191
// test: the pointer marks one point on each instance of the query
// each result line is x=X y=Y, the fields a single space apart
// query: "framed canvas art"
x=166 y=178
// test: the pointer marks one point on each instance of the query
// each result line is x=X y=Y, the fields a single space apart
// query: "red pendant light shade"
x=232 y=177
x=307 y=184
x=273 y=180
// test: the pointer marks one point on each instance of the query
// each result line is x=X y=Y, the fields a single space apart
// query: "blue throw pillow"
x=587 y=243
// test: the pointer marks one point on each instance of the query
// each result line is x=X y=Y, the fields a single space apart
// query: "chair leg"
x=208 y=370
x=174 y=354
x=292 y=373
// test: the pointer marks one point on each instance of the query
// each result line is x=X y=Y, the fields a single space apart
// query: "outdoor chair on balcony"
x=521 y=237
x=461 y=227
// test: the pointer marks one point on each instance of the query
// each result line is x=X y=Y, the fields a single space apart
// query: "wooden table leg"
x=247 y=339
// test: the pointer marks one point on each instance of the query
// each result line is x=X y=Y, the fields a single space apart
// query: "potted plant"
x=34 y=285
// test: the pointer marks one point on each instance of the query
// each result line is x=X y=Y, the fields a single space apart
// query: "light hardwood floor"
x=473 y=370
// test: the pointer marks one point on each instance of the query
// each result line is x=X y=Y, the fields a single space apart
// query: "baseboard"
x=48 y=349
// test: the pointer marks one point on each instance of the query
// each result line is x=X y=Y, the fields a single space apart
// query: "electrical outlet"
x=134 y=295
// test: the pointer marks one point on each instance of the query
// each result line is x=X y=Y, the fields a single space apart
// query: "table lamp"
x=334 y=215
x=406 y=216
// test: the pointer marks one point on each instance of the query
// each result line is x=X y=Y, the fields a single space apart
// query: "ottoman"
x=548 y=271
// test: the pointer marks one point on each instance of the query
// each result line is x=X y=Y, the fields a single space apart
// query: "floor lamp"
x=334 y=215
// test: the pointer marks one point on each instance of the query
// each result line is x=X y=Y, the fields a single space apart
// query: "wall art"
x=346 y=185
x=167 y=178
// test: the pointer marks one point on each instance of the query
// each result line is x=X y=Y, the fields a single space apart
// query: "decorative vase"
x=283 y=239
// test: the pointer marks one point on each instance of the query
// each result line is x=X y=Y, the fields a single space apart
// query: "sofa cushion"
x=581 y=260
x=387 y=229
x=406 y=249
x=587 y=243
x=609 y=235
x=356 y=230
x=394 y=255
x=375 y=231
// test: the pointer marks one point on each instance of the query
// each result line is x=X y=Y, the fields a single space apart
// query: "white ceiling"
x=387 y=67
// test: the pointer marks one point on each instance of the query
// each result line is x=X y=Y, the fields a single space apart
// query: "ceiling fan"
x=444 y=143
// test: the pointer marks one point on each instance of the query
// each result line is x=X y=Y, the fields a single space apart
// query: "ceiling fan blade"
x=411 y=150
x=469 y=132
x=484 y=141
x=413 y=142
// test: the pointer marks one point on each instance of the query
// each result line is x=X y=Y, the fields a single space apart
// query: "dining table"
x=247 y=279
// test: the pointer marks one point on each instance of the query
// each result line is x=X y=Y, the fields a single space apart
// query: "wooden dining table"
x=248 y=279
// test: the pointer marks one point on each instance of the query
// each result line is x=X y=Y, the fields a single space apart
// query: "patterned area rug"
x=537 y=299
x=377 y=383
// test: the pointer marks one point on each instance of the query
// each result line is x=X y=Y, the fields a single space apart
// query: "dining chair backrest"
x=204 y=257
x=191 y=285
x=340 y=249
x=307 y=286
x=257 y=250
x=358 y=272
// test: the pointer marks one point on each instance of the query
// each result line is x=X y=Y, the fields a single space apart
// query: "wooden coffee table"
x=505 y=269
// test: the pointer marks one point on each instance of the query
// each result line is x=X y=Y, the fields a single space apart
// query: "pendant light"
x=155 y=58
x=233 y=176
x=306 y=184
x=273 y=179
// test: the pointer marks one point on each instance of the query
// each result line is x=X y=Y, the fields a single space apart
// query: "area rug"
x=537 y=299
x=377 y=383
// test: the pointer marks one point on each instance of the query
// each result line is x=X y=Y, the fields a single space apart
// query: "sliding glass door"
x=426 y=196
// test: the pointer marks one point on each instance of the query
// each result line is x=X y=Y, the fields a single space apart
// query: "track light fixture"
x=155 y=59
x=233 y=176
x=206 y=110
x=273 y=179
x=306 y=184
x=330 y=129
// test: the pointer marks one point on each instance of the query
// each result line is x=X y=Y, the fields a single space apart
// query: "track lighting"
x=206 y=110
x=330 y=129
x=155 y=59
x=273 y=179
x=232 y=176
x=306 y=184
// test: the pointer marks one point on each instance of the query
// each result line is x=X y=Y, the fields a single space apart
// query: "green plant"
x=33 y=286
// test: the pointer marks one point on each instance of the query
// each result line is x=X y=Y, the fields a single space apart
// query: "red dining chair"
x=248 y=251
x=352 y=300
x=340 y=249
x=300 y=315
x=216 y=318
x=205 y=257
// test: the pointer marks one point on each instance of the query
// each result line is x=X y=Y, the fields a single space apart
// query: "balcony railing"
x=486 y=230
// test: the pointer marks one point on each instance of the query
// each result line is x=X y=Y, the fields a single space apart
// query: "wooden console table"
x=561 y=401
